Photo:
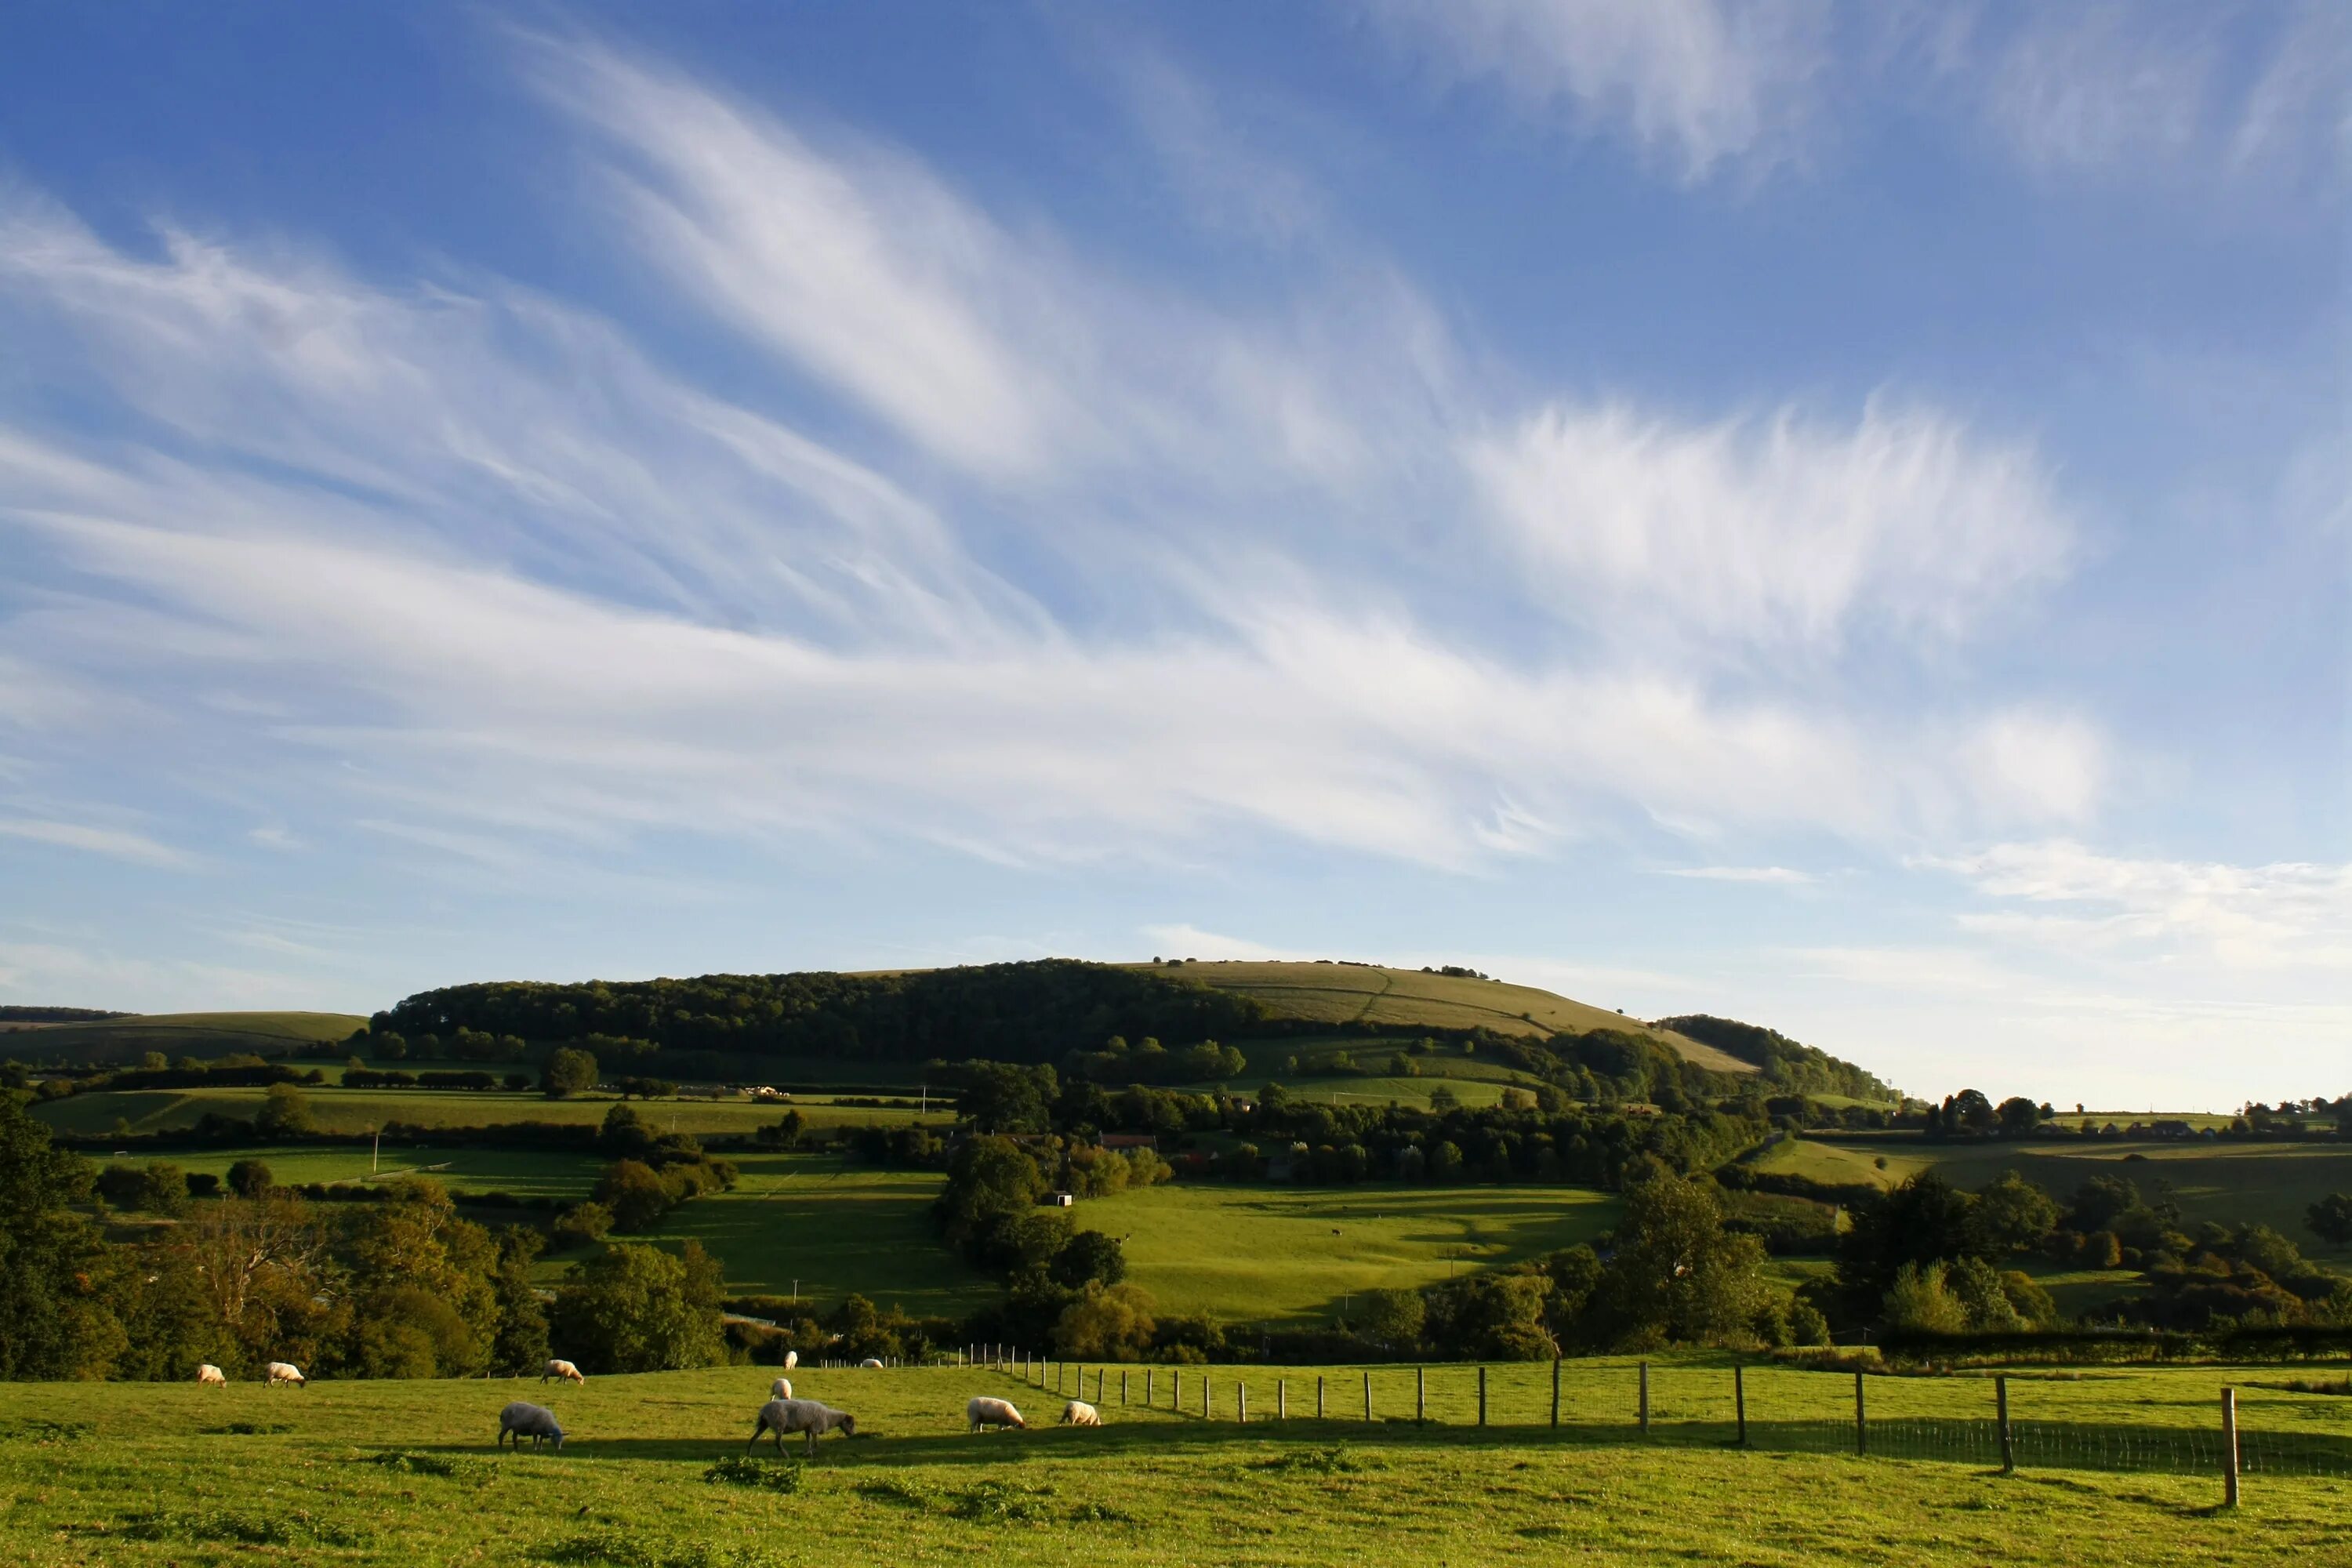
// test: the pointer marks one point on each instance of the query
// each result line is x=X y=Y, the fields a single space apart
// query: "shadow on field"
x=2039 y=1445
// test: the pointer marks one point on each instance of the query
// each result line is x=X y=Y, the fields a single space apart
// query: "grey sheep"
x=522 y=1419
x=804 y=1415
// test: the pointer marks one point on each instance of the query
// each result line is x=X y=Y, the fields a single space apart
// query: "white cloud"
x=1781 y=876
x=1695 y=84
x=2284 y=915
x=115 y=843
x=1782 y=531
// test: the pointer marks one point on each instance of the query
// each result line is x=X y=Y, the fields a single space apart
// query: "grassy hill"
x=108 y=1041
x=1412 y=998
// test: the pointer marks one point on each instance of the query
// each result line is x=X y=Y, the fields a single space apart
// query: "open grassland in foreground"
x=2231 y=1184
x=203 y=1035
x=399 y=1473
x=1408 y=998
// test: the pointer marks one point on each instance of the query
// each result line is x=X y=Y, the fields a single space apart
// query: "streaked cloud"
x=115 y=843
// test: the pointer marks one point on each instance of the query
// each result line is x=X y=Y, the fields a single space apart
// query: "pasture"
x=399 y=1473
x=1408 y=999
x=525 y=1172
x=2232 y=1184
x=112 y=1041
x=357 y=1111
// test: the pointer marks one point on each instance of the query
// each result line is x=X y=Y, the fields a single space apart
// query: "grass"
x=1407 y=998
x=1476 y=1080
x=2233 y=1183
x=398 y=1473
x=356 y=1111
x=176 y=1035
x=523 y=1171
x=811 y=1222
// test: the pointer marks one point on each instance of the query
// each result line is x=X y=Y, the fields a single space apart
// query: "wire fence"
x=2158 y=1421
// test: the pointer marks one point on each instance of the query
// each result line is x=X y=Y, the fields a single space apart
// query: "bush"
x=582 y=1225
x=569 y=1071
x=249 y=1178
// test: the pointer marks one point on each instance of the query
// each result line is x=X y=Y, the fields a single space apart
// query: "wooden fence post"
x=1420 y=1393
x=1319 y=1396
x=1645 y=1399
x=1482 y=1395
x=1368 y=1394
x=1554 y=1391
x=1208 y=1395
x=2229 y=1447
x=1122 y=1385
x=1241 y=1400
x=1282 y=1399
x=2007 y=1440
x=1861 y=1422
x=1739 y=1400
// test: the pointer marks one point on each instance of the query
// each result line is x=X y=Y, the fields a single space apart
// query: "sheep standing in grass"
x=804 y=1415
x=212 y=1374
x=284 y=1371
x=781 y=1389
x=792 y=1360
x=562 y=1368
x=1078 y=1412
x=984 y=1413
x=536 y=1422
x=872 y=1363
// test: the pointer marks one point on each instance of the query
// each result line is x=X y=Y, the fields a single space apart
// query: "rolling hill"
x=1407 y=999
x=108 y=1041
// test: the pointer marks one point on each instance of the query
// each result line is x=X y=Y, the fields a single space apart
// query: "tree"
x=521 y=1347
x=163 y=1190
x=285 y=1113
x=1677 y=1273
x=629 y=1310
x=569 y=1071
x=1090 y=1257
x=583 y=1223
x=634 y=1192
x=2011 y=1214
x=990 y=1180
x=1000 y=1097
x=1445 y=1162
x=2330 y=1218
x=49 y=1322
x=250 y=1179
x=1106 y=1322
x=1442 y=1099
x=2017 y=1116
x=1919 y=1301
x=1393 y=1318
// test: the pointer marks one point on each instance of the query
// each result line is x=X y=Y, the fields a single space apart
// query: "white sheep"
x=781 y=1389
x=792 y=1360
x=1078 y=1412
x=536 y=1422
x=984 y=1412
x=212 y=1374
x=562 y=1368
x=872 y=1363
x=804 y=1415
x=284 y=1371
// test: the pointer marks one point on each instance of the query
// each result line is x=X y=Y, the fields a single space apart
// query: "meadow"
x=397 y=1473
x=357 y=1111
x=1408 y=998
x=2233 y=1183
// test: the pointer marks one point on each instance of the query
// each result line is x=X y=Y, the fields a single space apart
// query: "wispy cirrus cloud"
x=115 y=843
x=1774 y=876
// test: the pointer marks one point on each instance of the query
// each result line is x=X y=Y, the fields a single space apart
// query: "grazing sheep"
x=210 y=1373
x=284 y=1371
x=792 y=1360
x=564 y=1370
x=781 y=1389
x=536 y=1422
x=804 y=1415
x=1078 y=1412
x=984 y=1412
x=872 y=1363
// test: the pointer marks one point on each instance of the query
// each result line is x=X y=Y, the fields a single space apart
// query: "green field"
x=109 y=1041
x=1269 y=1254
x=525 y=1172
x=1476 y=1080
x=1407 y=998
x=401 y=1473
x=834 y=1229
x=2233 y=1183
x=364 y=1110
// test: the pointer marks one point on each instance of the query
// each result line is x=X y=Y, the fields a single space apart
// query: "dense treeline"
x=1034 y=1012
x=20 y=1015
x=1785 y=1064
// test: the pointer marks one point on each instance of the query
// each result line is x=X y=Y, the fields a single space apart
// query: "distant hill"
x=16 y=1017
x=125 y=1038
x=1408 y=999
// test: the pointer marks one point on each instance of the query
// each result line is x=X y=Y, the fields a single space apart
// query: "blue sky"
x=1831 y=515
